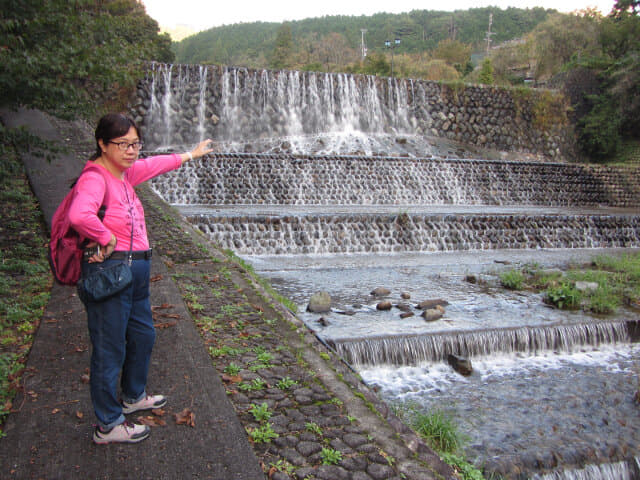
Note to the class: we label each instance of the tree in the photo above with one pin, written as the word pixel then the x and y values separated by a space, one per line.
pixel 561 37
pixel 486 72
pixel 376 64
pixel 74 53
pixel 281 57
pixel 631 7
pixel 453 52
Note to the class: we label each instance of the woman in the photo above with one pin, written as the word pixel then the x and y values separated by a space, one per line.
pixel 120 327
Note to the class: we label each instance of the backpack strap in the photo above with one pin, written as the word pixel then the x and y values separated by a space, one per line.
pixel 103 208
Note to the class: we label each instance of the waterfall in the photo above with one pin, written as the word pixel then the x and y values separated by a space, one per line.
pixel 167 116
pixel 611 471
pixel 291 106
pixel 409 350
pixel 202 99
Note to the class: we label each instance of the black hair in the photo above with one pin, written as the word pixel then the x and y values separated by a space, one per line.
pixel 112 125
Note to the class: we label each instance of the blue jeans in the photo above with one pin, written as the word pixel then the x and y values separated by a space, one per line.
pixel 122 334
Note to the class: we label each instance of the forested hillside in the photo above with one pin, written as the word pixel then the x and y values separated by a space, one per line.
pixel 336 40
pixel 72 55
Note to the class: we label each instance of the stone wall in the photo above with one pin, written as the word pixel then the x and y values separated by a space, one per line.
pixel 236 179
pixel 226 103
pixel 376 233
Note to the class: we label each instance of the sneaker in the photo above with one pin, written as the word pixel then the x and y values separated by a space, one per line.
pixel 147 403
pixel 126 432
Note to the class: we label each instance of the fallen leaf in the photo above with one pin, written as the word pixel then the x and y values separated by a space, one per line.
pixel 151 421
pixel 231 378
pixel 155 278
pixel 158 412
pixel 54 411
pixel 165 325
pixel 79 414
pixel 85 378
pixel 186 417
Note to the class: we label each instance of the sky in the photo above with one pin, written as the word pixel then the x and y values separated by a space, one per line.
pixel 203 14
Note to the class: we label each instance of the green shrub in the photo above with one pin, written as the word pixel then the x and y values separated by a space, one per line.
pixel 512 279
pixel 564 296
pixel 603 300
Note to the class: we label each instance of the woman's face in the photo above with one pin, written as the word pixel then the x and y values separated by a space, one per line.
pixel 123 151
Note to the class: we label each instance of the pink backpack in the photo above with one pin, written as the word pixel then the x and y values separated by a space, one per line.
pixel 66 245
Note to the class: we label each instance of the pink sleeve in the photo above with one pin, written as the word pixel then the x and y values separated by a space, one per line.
pixel 147 168
pixel 88 197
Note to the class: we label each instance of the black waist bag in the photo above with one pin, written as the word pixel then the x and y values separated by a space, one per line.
pixel 105 282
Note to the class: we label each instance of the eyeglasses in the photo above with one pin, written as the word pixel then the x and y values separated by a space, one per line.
pixel 124 146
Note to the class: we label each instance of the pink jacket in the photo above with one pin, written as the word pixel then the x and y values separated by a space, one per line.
pixel 122 203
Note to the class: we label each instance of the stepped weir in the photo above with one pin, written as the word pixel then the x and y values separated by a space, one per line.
pixel 336 170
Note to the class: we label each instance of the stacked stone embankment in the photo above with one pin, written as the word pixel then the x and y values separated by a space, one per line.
pixel 234 179
pixel 362 233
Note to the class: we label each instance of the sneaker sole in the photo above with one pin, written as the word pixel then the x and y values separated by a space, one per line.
pixel 127 410
pixel 98 440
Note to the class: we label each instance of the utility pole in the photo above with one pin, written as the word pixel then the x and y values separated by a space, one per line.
pixel 392 47
pixel 489 33
pixel 363 46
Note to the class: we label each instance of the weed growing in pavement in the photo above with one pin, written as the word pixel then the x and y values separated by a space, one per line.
pixel 313 427
pixel 232 369
pixel 286 383
pixel 207 323
pixel 262 434
pixel 330 456
pixel 263 360
pixel 224 351
pixel 261 412
pixel 256 384
pixel 283 466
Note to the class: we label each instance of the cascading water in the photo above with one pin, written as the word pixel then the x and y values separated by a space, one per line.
pixel 550 396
